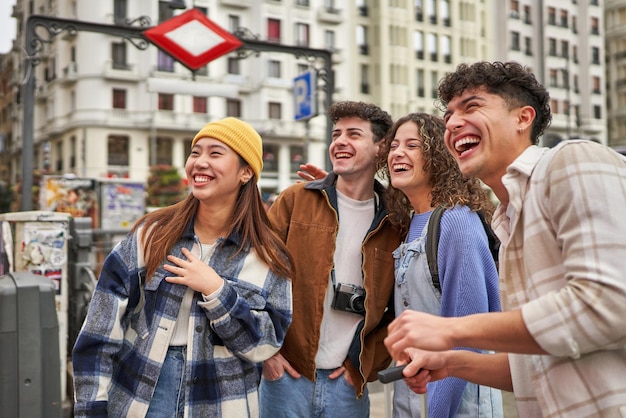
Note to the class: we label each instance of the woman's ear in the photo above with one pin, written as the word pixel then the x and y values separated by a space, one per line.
pixel 246 174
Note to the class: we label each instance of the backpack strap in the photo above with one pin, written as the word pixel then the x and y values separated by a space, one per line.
pixel 432 244
pixel 494 242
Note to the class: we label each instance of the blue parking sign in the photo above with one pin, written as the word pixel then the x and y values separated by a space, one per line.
pixel 305 105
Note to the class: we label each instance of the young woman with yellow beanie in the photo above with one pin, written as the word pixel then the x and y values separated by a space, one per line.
pixel 193 299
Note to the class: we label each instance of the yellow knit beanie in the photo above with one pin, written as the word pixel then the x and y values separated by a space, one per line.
pixel 238 135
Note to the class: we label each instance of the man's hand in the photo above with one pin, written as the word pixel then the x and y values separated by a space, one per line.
pixel 423 367
pixel 310 172
pixel 418 329
pixel 341 371
pixel 275 366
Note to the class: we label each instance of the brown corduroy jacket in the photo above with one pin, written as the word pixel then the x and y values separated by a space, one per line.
pixel 305 217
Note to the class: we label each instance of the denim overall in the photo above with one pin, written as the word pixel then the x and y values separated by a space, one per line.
pixel 414 290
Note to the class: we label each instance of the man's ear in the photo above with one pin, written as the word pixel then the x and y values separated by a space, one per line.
pixel 527 116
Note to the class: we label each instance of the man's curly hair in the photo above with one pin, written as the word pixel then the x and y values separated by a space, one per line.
pixel 510 80
pixel 381 121
pixel 449 186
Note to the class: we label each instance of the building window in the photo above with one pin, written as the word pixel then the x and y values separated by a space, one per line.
pixel 564 19
pixel 233 23
pixel 273 30
pixel 118 55
pixel 528 46
pixel 164 62
pixel 362 7
pixel 274 110
pixel 59 156
pixel 420 83
pixel 200 104
pixel 164 150
pixel 365 83
pixel 329 40
pixel 554 106
pixel 432 47
pixel 119 99
pixel 527 16
pixel 117 147
pixel 553 78
pixel 434 80
pixel 515 41
pixel 72 152
pixel 419 10
pixel 119 11
pixel 551 16
pixel 565 49
pixel 444 10
pixel 595 55
pixel 418 44
pixel 166 101
pixel 432 12
pixel 552 47
pixel 273 69
pixel 361 39
pixel 233 107
pixel 446 48
pixel 302 3
pixel 302 34
pixel 596 85
pixel 233 65
pixel 296 157
pixel 515 9
pixel 270 157
pixel 595 26
pixel 597 112
pixel 165 11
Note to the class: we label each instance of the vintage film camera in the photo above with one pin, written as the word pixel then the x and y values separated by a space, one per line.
pixel 349 298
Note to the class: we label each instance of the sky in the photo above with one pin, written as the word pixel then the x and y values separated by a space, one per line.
pixel 7 25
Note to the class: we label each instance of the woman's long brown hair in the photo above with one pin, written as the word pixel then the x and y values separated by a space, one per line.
pixel 449 186
pixel 164 227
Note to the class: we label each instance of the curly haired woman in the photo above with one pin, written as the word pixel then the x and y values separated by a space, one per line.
pixel 424 175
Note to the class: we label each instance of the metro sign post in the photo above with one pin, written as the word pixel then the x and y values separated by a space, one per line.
pixel 192 39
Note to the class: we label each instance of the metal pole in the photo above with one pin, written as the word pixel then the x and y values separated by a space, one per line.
pixel 28 97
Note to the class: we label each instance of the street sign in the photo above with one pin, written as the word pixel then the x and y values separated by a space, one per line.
pixel 305 103
pixel 192 39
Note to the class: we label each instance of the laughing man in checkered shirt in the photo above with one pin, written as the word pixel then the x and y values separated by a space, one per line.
pixel 561 339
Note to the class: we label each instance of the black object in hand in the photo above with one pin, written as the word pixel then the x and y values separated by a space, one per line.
pixel 391 374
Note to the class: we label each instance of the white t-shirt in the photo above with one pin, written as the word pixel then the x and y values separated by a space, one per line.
pixel 338 327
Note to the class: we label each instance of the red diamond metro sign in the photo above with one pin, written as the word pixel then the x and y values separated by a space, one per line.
pixel 192 39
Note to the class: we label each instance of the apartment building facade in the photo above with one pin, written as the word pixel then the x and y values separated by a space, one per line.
pixel 104 108
pixel 615 27
pixel 562 41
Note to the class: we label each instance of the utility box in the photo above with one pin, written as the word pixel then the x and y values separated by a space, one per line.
pixel 39 241
pixel 30 379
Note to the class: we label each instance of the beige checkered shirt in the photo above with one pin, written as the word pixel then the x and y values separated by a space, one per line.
pixel 562 262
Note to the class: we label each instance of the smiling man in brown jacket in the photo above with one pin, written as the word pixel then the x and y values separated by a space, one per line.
pixel 341 241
